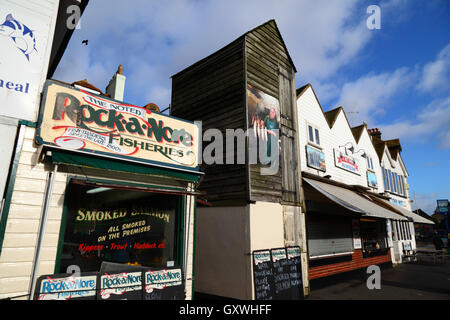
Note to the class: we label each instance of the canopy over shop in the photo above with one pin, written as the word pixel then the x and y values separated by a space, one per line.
pixel 346 228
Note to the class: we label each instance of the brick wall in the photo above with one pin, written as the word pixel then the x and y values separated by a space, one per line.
pixel 357 262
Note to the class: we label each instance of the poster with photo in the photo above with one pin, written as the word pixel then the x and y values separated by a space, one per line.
pixel 263 118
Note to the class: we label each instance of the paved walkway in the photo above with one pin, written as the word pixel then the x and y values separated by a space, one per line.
pixel 410 281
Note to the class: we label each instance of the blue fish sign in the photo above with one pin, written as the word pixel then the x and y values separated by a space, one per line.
pixel 22 36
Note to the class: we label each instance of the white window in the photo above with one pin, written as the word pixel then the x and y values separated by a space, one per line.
pixel 369 162
pixel 313 134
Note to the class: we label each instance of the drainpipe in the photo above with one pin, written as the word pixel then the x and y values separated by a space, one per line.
pixel 42 227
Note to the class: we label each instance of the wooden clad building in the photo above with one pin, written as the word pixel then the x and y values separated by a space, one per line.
pixel 249 85
pixel 216 91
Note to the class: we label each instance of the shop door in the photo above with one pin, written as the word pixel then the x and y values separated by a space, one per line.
pixel 120 226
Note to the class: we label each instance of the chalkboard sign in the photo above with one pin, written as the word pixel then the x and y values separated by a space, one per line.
pixel 164 284
pixel 263 275
pixel 66 287
pixel 294 262
pixel 282 283
pixel 277 274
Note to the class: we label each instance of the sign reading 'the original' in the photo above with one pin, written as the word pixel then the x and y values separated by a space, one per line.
pixel 77 120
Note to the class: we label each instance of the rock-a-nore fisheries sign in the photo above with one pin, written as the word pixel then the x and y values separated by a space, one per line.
pixel 77 120
pixel 57 287
pixel 126 283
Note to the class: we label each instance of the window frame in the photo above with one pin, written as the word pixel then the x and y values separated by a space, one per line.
pixel 315 137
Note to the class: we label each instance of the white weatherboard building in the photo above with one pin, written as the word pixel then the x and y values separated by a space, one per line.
pixel 349 216
pixel 394 180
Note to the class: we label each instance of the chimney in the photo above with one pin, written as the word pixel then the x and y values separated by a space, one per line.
pixel 116 86
pixel 375 133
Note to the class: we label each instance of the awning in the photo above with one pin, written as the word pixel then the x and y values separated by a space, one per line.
pixel 353 201
pixel 89 161
pixel 415 217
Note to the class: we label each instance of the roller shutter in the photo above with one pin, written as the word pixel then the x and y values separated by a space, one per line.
pixel 329 235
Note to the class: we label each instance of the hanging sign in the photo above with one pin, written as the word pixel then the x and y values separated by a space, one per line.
pixel 346 162
pixel 74 119
pixel 26 37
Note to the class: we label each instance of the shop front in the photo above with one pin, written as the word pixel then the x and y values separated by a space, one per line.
pixel 116 204
pixel 346 230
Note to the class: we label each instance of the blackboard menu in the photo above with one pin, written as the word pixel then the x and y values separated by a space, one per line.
pixel 282 283
pixel 294 263
pixel 278 274
pixel 263 275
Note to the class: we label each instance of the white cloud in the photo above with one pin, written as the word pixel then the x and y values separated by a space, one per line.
pixel 322 36
pixel 436 74
pixel 424 201
pixel 370 94
pixel 432 125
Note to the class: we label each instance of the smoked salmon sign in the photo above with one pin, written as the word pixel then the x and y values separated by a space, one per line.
pixel 74 119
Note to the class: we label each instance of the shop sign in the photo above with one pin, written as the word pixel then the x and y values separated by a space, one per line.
pixel 315 159
pixel 372 179
pixel 398 203
pixel 161 279
pixel 77 120
pixel 120 285
pixel 346 162
pixel 356 234
pixel 66 288
pixel 26 36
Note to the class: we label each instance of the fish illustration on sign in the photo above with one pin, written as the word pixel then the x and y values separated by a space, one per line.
pixel 22 36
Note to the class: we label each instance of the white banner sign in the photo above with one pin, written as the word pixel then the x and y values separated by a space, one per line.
pixel 26 36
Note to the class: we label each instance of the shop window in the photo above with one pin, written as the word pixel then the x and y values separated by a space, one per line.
pixel 121 226
pixel 373 236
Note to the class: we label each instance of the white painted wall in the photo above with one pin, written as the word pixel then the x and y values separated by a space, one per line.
pixel 223 260
pixel 309 111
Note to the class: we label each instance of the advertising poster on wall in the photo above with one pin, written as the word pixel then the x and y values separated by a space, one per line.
pixel 356 234
pixel 315 159
pixel 76 120
pixel 26 35
pixel 372 180
pixel 263 119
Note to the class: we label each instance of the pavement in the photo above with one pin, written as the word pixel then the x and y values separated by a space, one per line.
pixel 407 281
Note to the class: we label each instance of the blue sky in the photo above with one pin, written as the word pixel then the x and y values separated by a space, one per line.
pixel 396 78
